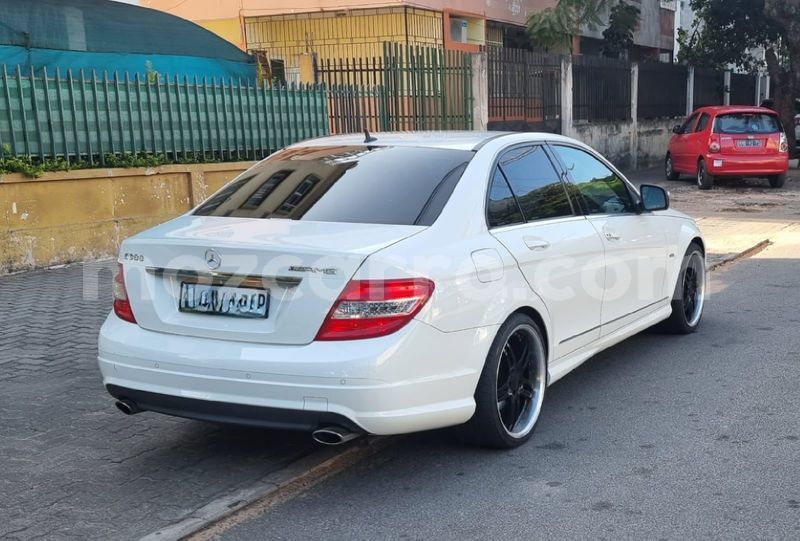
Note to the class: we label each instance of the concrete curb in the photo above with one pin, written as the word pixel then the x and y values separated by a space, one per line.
pixel 753 250
pixel 223 513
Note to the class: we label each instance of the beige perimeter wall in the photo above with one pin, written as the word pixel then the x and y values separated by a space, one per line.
pixel 78 215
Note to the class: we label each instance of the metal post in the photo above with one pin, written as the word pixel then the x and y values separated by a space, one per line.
pixel 726 88
pixel 61 115
pixel 634 139
pixel 49 106
pixel 566 96
pixel 690 91
pixel 10 110
pixel 758 88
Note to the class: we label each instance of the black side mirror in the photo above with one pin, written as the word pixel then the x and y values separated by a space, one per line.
pixel 677 129
pixel 654 197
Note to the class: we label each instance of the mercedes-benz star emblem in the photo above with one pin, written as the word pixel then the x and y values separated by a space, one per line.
pixel 213 260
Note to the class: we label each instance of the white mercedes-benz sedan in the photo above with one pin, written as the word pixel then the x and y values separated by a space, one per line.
pixel 392 283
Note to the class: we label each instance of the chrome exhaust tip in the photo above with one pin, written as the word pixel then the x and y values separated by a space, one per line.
pixel 333 435
pixel 128 407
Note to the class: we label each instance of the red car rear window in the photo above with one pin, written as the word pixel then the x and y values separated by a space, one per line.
pixel 747 123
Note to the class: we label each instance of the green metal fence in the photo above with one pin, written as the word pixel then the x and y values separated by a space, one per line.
pixel 88 116
pixel 407 88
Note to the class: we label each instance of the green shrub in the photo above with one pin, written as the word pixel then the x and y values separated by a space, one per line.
pixel 34 167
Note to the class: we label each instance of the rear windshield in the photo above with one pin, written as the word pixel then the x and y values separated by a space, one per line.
pixel 734 123
pixel 357 184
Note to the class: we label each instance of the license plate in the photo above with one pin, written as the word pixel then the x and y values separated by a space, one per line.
pixel 748 143
pixel 224 300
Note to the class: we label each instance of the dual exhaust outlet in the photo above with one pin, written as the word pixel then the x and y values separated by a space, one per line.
pixel 330 435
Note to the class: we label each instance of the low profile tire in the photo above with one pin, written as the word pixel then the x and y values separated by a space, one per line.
pixel 705 181
pixel 669 169
pixel 688 299
pixel 510 392
pixel 777 181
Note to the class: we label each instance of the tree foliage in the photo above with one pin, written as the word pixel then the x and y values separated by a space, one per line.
pixel 552 28
pixel 618 37
pixel 726 31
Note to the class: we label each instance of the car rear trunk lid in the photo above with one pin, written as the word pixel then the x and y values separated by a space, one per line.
pixel 303 265
pixel 748 133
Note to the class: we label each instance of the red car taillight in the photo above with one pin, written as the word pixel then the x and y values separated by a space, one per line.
pixel 372 308
pixel 122 306
pixel 784 143
pixel 713 145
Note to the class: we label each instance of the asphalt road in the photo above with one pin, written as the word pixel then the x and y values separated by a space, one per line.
pixel 661 437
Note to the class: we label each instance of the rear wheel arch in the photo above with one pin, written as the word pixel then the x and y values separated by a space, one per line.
pixel 707 180
pixel 505 415
pixel 539 320
pixel 669 167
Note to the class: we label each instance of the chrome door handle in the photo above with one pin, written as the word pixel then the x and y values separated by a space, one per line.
pixel 536 244
pixel 612 236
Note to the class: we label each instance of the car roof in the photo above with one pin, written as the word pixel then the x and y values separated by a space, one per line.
pixel 724 109
pixel 453 140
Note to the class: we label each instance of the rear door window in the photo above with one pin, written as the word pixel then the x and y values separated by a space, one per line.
pixel 358 184
pixel 747 123
pixel 503 206
pixel 535 183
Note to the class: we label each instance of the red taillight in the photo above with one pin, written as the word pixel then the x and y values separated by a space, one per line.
pixel 784 143
pixel 372 308
pixel 713 145
pixel 122 307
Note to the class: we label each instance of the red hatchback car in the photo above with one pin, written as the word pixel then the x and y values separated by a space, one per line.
pixel 729 141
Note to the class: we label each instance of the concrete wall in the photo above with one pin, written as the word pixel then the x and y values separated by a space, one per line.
pixel 652 141
pixel 79 215
pixel 611 139
pixel 628 145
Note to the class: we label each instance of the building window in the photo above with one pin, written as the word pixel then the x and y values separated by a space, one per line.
pixel 277 70
pixel 458 30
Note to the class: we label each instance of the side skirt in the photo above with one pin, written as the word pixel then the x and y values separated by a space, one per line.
pixel 565 365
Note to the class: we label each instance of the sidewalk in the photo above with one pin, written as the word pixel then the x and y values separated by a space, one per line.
pixel 74 467
pixel 726 239
pixel 736 215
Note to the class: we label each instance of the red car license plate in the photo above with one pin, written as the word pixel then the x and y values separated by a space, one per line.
pixel 749 143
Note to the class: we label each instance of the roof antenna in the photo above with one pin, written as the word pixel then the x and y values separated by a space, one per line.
pixel 368 138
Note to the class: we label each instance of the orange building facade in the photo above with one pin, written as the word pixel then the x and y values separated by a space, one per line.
pixel 287 34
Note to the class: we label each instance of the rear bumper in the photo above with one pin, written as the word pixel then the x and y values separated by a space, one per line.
pixel 746 165
pixel 222 412
pixel 416 379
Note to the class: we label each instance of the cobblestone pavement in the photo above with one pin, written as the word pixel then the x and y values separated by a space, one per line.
pixel 73 467
pixel 739 200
